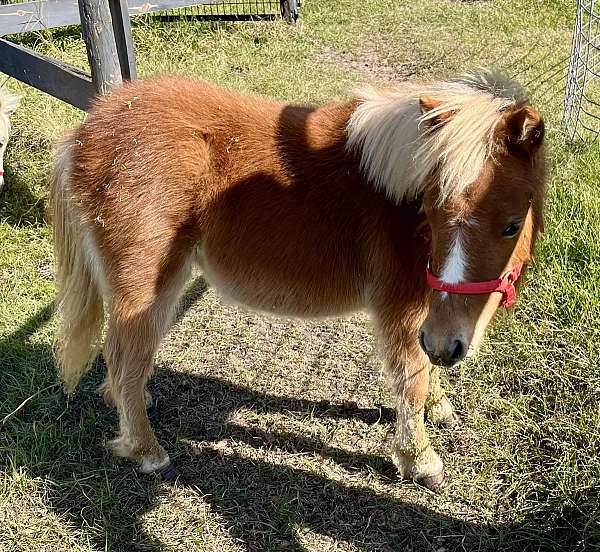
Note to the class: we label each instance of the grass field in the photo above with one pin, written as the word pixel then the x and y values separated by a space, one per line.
pixel 280 427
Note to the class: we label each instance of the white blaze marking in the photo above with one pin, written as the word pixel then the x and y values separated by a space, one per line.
pixel 453 271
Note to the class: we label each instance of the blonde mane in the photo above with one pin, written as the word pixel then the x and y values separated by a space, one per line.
pixel 398 148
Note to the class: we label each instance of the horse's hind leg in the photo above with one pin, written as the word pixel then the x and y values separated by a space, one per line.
pixel 137 323
pixel 438 407
pixel 105 390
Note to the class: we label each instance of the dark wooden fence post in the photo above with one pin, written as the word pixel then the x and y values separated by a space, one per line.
pixel 97 28
pixel 122 29
pixel 290 10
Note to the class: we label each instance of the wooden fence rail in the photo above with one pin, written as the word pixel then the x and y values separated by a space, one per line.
pixel 49 75
pixel 48 14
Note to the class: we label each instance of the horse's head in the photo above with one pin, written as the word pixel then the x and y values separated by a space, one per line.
pixel 8 104
pixel 472 149
pixel 481 229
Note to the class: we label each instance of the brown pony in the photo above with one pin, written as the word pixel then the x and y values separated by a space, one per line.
pixel 297 211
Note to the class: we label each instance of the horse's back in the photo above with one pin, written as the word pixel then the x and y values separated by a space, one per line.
pixel 172 128
pixel 264 190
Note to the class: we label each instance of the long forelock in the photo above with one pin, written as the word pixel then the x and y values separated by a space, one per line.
pixel 400 148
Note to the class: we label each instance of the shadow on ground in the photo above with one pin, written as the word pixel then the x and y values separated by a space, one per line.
pixel 19 206
pixel 260 504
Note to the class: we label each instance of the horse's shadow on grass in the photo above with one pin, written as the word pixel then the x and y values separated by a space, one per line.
pixel 264 505
pixel 19 206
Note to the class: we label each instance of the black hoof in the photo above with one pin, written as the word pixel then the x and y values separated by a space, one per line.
pixel 169 473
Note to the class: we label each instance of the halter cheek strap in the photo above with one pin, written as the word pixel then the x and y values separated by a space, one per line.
pixel 1 173
pixel 504 285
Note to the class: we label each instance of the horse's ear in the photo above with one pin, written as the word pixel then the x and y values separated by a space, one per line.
pixel 524 129
pixel 9 102
pixel 430 108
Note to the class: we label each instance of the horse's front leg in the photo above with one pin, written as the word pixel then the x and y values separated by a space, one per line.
pixel 408 370
pixel 438 408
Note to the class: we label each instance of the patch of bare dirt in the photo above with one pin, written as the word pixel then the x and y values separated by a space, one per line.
pixel 367 64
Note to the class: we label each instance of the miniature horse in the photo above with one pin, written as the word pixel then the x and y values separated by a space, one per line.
pixel 8 105
pixel 296 211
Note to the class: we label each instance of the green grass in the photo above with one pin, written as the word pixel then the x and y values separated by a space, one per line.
pixel 277 425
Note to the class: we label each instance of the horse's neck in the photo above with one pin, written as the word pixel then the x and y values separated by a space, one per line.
pixel 313 141
pixel 316 151
pixel 325 127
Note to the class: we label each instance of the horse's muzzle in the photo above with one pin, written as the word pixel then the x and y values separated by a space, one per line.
pixel 447 354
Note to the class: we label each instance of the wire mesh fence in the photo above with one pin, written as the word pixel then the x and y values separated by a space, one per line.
pixel 232 10
pixel 582 94
pixel 222 9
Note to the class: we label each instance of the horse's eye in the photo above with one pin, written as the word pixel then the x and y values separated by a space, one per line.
pixel 512 230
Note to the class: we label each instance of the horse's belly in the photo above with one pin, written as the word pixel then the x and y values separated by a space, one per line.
pixel 282 294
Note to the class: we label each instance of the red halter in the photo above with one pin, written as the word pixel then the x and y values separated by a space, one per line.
pixel 504 285
pixel 1 173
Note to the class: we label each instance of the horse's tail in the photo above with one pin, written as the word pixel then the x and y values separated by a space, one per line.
pixel 79 300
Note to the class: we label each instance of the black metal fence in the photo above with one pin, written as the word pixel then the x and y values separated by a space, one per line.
pixel 232 10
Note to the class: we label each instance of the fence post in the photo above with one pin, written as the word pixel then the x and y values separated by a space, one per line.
pixel 122 28
pixel 97 29
pixel 290 10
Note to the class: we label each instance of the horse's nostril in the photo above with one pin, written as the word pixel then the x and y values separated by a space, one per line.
pixel 422 341
pixel 457 351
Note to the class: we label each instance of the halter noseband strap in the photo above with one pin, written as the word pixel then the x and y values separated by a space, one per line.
pixel 504 285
